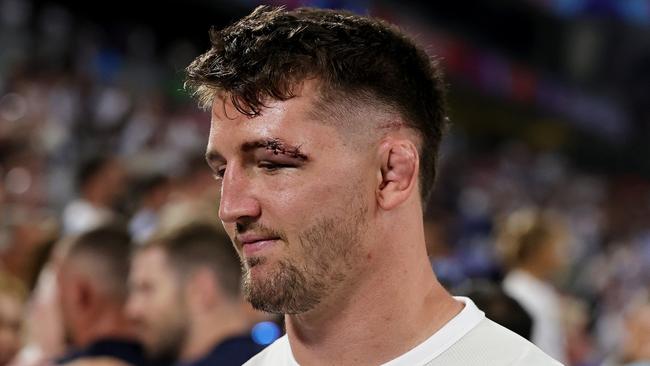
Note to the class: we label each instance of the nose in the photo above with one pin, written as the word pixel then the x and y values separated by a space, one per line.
pixel 238 200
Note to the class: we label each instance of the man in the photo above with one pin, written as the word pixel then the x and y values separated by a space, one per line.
pixel 185 299
pixel 93 289
pixel 324 136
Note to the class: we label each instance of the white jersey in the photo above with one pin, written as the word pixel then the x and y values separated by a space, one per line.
pixel 468 339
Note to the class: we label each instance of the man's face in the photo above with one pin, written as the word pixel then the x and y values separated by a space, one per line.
pixel 295 200
pixel 156 304
pixel 11 310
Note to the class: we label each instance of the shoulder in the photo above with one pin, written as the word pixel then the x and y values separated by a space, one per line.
pixel 277 354
pixel 491 344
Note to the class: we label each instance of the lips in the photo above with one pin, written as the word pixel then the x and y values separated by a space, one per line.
pixel 254 244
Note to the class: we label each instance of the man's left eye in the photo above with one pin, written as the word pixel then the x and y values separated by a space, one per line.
pixel 271 166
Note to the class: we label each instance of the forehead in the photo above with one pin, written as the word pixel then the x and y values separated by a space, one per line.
pixel 150 261
pixel 292 121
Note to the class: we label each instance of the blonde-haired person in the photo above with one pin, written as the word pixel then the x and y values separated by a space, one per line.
pixel 532 243
pixel 636 323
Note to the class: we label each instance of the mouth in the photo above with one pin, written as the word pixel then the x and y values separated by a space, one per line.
pixel 252 245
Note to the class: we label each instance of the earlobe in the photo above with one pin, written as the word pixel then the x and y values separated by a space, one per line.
pixel 399 166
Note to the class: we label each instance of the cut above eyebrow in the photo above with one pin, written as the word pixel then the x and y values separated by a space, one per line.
pixel 277 146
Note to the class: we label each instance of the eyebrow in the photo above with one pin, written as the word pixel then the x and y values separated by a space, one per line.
pixel 213 156
pixel 275 145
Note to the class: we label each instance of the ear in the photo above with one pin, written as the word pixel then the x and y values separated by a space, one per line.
pixel 399 164
pixel 202 289
pixel 84 294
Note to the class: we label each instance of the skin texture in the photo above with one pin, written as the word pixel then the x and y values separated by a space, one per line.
pixel 334 239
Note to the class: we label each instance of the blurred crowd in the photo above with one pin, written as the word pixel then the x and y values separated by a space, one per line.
pixel 567 243
pixel 101 156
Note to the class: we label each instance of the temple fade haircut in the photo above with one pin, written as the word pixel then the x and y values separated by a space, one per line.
pixel 106 250
pixel 356 60
pixel 202 245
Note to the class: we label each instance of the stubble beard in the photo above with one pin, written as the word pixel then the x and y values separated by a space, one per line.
pixel 171 338
pixel 328 251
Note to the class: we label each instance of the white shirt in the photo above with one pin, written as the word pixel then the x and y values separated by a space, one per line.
pixel 542 303
pixel 80 216
pixel 468 339
pixel 143 225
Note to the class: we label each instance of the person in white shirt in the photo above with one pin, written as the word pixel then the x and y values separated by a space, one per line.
pixel 324 137
pixel 532 244
pixel 101 182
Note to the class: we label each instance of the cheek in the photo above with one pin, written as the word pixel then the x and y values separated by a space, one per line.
pixel 302 198
pixel 167 302
pixel 66 304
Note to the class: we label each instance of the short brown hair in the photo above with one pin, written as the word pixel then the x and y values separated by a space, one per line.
pixel 199 244
pixel 266 54
pixel 110 246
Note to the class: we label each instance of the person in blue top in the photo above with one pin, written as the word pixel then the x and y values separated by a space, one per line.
pixel 185 298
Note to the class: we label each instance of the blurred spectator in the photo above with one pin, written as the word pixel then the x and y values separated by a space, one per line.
pixel 636 344
pixel 446 266
pixel 532 244
pixel 29 234
pixel 44 332
pixel 12 302
pixel 93 292
pixel 101 181
pixel 154 193
pixel 185 298
pixel 194 197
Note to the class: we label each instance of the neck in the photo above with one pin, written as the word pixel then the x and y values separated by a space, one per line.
pixel 110 324
pixel 208 330
pixel 396 298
